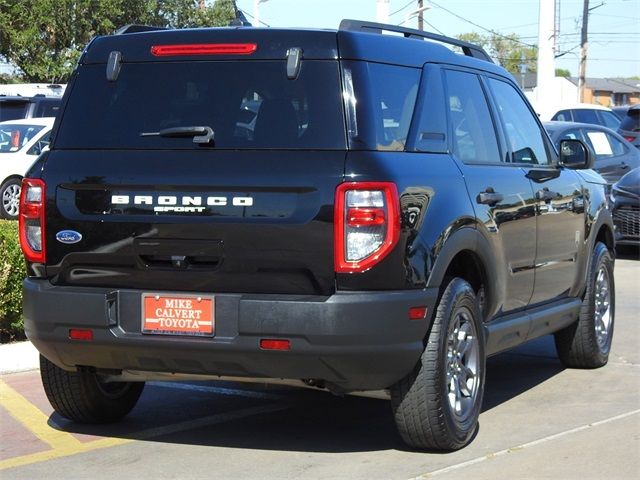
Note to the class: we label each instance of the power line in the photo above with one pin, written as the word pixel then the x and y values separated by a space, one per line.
pixel 481 27
pixel 401 9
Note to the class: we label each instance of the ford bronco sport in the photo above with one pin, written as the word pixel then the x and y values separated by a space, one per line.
pixel 346 210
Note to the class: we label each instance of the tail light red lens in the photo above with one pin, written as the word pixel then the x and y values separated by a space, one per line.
pixel 32 221
pixel 366 224
pixel 204 49
pixel 629 138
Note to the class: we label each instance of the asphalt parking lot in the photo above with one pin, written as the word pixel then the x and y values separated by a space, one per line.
pixel 538 421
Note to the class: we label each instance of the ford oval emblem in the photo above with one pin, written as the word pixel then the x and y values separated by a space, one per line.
pixel 68 236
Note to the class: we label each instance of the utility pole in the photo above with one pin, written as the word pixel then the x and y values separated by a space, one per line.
pixel 420 17
pixel 584 45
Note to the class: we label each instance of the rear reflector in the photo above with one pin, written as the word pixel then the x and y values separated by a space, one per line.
pixel 81 334
pixel 204 49
pixel 273 344
pixel 417 313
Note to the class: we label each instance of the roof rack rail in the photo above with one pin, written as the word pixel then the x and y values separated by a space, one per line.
pixel 134 28
pixel 469 49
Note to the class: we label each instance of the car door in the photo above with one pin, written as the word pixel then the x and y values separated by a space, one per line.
pixel 558 195
pixel 499 191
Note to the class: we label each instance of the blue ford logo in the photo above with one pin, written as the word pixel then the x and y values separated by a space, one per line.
pixel 68 236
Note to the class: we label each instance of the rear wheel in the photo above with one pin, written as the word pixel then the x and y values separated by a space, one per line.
pixel 587 342
pixel 84 398
pixel 437 405
pixel 10 198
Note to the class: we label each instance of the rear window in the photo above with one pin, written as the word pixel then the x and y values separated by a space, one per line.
pixel 12 110
pixel 15 136
pixel 248 104
pixel 631 122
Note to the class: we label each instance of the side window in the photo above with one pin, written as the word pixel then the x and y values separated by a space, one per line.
pixel 474 136
pixel 600 143
pixel 523 132
pixel 562 116
pixel 617 146
pixel 609 120
pixel 585 115
pixel 394 93
pixel 40 144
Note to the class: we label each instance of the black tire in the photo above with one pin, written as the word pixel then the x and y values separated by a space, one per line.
pixel 584 344
pixel 81 396
pixel 421 404
pixel 10 198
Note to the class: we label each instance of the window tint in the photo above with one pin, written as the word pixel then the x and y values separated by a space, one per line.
pixel 248 104
pixel 523 132
pixel 474 138
pixel 562 116
pixel 394 90
pixel 12 110
pixel 609 120
pixel 584 115
pixel 48 108
pixel 617 146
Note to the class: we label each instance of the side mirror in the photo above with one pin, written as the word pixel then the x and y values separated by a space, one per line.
pixel 576 155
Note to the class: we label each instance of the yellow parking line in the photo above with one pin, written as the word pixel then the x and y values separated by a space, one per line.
pixel 33 419
pixel 65 445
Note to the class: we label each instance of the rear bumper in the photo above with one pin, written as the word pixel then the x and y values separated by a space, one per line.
pixel 351 341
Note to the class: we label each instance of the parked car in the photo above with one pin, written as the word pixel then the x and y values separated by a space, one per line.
pixel 21 141
pixel 395 214
pixel 614 155
pixel 17 107
pixel 630 126
pixel 587 113
pixel 625 205
pixel 620 110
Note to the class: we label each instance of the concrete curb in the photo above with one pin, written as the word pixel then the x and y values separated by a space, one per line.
pixel 18 357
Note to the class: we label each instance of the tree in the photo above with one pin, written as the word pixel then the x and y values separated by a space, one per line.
pixel 562 72
pixel 44 38
pixel 507 50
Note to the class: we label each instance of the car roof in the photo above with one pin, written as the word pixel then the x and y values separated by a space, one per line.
pixel 44 121
pixel 583 106
pixel 553 126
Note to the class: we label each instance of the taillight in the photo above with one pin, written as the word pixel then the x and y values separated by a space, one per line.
pixel 629 138
pixel 204 49
pixel 31 220
pixel 366 224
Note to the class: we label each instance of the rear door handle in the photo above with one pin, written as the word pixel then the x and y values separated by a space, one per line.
pixel 489 197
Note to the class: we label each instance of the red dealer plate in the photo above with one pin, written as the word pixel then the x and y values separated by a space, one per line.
pixel 178 315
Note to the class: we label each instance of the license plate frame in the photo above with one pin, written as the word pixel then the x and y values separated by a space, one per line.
pixel 169 314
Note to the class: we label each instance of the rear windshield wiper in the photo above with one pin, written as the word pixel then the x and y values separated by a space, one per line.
pixel 200 134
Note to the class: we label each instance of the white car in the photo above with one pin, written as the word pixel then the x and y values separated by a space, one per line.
pixel 21 141
pixel 586 113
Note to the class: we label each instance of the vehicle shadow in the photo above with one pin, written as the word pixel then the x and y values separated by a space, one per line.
pixel 284 419
pixel 628 252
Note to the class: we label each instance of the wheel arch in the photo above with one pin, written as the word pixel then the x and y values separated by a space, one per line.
pixel 468 255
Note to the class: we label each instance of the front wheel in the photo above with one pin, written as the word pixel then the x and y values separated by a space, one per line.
pixel 84 398
pixel 10 199
pixel 587 342
pixel 437 405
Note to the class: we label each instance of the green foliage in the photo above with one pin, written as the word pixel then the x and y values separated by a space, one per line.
pixel 507 50
pixel 45 38
pixel 562 72
pixel 12 272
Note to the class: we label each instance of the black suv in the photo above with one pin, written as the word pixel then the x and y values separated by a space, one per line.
pixel 16 107
pixel 344 210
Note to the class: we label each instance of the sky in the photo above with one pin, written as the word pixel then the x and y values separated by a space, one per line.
pixel 614 27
